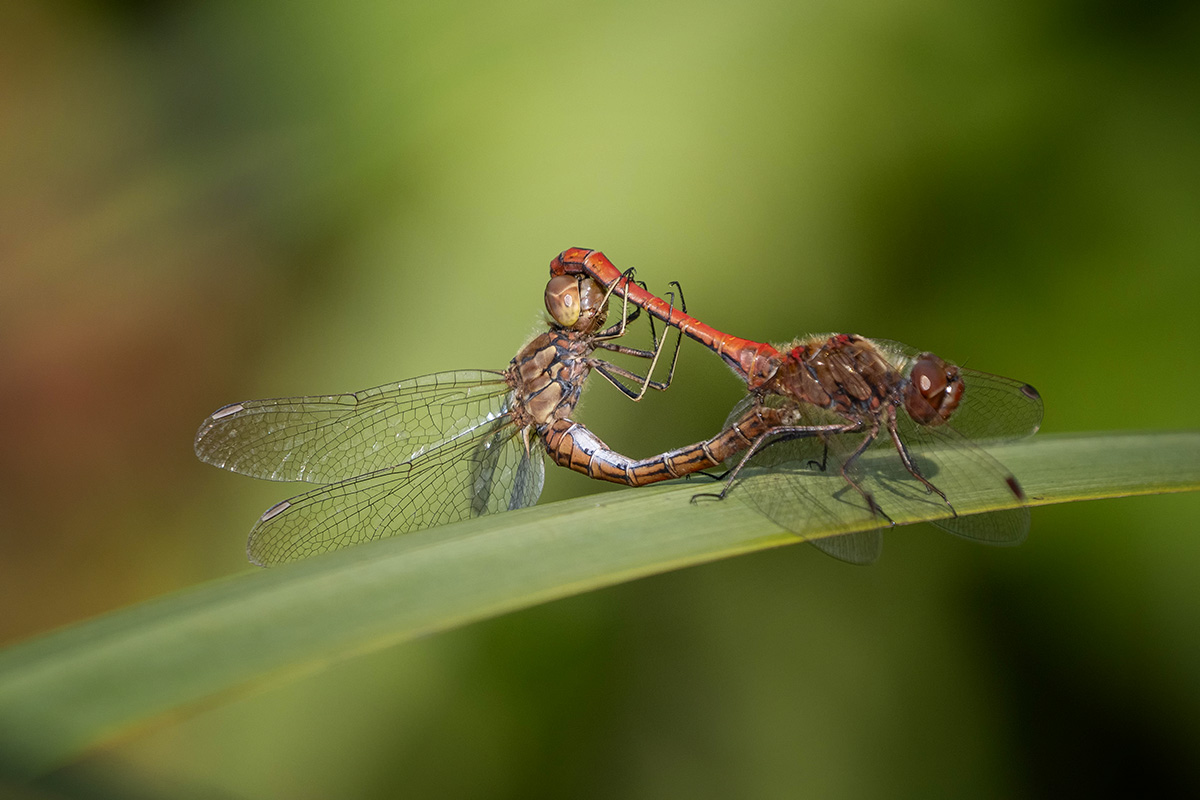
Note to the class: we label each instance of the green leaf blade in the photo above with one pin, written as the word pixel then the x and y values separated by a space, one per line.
pixel 68 690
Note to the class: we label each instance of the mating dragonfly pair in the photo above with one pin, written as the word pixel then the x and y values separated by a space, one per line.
pixel 454 445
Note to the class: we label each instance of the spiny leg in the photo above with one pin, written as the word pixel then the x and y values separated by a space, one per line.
pixel 678 332
pixel 610 371
pixel 909 463
pixel 858 451
pixel 657 385
pixel 619 330
pixel 627 316
pixel 780 433
pixel 730 476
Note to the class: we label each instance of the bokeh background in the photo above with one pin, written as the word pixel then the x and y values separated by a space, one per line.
pixel 202 202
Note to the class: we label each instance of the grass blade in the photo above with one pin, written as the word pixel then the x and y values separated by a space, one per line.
pixel 67 690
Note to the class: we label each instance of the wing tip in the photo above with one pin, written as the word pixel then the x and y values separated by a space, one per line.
pixel 226 411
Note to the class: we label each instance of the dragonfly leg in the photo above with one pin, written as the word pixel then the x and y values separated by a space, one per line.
pixel 611 373
pixel 627 316
pixel 877 509
pixel 858 451
pixel 610 370
pixel 678 337
pixel 759 442
pixel 730 476
pixel 636 353
pixel 655 346
pixel 772 436
pixel 909 463
pixel 618 330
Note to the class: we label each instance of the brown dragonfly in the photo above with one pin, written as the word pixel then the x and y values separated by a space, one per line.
pixel 447 446
pixel 840 394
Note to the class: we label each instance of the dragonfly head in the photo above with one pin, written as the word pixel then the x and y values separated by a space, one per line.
pixel 576 302
pixel 934 390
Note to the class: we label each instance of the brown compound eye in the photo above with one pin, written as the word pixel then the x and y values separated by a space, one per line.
pixel 593 305
pixel 576 302
pixel 562 300
pixel 934 390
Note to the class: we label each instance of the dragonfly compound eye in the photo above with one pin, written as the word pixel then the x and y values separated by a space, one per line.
pixel 562 300
pixel 934 390
pixel 593 305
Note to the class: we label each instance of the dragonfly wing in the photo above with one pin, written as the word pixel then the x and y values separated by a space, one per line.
pixel 783 450
pixel 971 479
pixel 1007 527
pixel 861 547
pixel 993 407
pixel 527 488
pixel 807 502
pixel 329 438
pixel 436 488
pixel 778 488
pixel 740 408
pixel 507 472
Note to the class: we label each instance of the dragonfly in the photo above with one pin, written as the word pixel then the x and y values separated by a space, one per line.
pixel 447 446
pixel 839 395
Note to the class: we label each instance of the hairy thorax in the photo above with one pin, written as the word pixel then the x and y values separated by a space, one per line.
pixel 843 373
pixel 547 376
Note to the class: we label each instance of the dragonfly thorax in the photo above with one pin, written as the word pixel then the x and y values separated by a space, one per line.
pixel 843 373
pixel 549 374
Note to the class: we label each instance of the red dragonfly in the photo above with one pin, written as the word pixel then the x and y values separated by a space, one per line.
pixel 842 393
pixel 442 447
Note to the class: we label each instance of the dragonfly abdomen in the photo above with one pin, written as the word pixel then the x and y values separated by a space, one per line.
pixel 572 445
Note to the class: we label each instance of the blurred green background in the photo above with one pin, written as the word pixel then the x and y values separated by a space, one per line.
pixel 208 202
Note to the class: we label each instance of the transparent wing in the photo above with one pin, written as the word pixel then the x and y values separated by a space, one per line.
pixel 483 470
pixel 993 408
pixel 506 471
pixel 330 438
pixel 796 484
pixel 785 495
pixel 972 480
